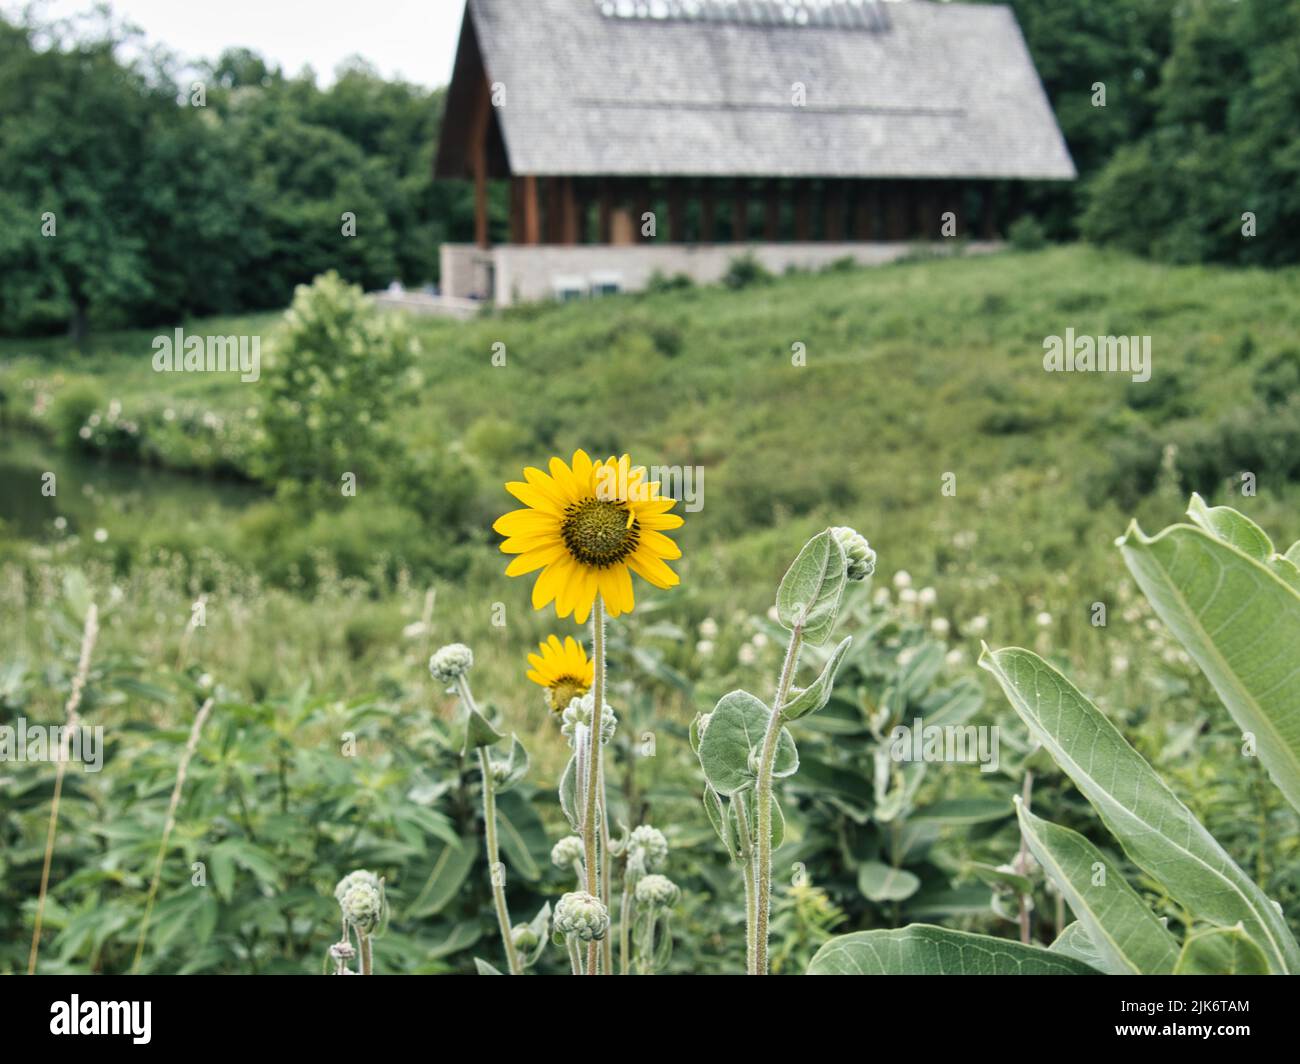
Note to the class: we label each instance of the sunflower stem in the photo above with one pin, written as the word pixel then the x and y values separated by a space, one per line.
pixel 607 943
pixel 763 796
pixel 590 832
pixel 495 869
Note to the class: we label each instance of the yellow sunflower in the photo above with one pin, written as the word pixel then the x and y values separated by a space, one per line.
pixel 563 669
pixel 588 526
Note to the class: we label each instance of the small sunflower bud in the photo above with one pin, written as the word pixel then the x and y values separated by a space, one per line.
pixel 351 880
pixel 451 662
pixel 363 907
pixel 651 842
pixel 581 914
pixel 568 850
pixel 657 890
pixel 857 552
pixel 579 711
pixel 524 938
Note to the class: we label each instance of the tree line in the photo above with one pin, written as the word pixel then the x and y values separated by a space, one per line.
pixel 138 190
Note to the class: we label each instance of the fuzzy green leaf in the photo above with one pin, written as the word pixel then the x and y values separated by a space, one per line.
pixel 1155 829
pixel 925 950
pixel 881 882
pixel 818 693
pixel 1124 931
pixel 733 740
pixel 1238 619
pixel 1221 951
pixel 812 589
pixel 478 732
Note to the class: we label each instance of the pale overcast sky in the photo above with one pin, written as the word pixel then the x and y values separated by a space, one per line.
pixel 415 39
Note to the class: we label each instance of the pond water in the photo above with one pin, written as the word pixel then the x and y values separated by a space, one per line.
pixel 89 491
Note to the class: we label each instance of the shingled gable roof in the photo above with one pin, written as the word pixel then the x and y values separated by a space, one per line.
pixel 912 90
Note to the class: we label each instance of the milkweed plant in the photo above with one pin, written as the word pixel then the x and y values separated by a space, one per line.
pixel 586 527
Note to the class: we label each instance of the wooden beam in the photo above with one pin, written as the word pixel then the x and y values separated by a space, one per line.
pixel 988 211
pixel 532 221
pixel 897 199
pixel 834 228
pixel 676 211
pixel 772 212
pixel 740 211
pixel 605 207
pixel 866 209
pixel 708 212
pixel 568 211
pixel 802 210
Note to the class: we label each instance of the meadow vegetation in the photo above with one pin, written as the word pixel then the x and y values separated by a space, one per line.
pixel 321 609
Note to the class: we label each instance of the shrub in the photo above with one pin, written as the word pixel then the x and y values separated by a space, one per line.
pixel 71 409
pixel 745 271
pixel 1027 234
pixel 335 373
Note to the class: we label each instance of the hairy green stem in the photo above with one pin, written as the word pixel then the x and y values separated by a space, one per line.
pixel 763 797
pixel 574 959
pixel 607 943
pixel 748 871
pixel 624 930
pixel 367 959
pixel 490 837
pixel 590 834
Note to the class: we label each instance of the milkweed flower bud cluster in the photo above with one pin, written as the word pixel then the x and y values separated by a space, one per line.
pixel 581 915
pixel 657 890
pixel 647 850
pixel 579 711
pixel 361 897
pixel 451 662
pixel 565 852
pixel 857 552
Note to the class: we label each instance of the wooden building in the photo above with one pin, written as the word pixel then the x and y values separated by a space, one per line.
pixel 655 135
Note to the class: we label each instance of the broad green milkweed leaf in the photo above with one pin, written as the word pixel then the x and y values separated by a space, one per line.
pixel 450 870
pixel 569 792
pixel 516 765
pixel 1074 942
pixel 923 949
pixel 1237 618
pixel 733 740
pixel 818 693
pixel 881 882
pixel 1125 933
pixel 522 835
pixel 1235 529
pixel 1221 951
pixel 1155 829
pixel 478 732
pixel 812 589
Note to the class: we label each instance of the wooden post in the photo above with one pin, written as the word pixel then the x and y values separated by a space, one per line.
pixel 568 211
pixel 988 212
pixel 532 222
pixel 640 208
pixel 802 210
pixel 834 227
pixel 866 210
pixel 740 211
pixel 480 194
pixel 772 212
pixel 896 210
pixel 604 211
pixel 676 212
pixel 708 211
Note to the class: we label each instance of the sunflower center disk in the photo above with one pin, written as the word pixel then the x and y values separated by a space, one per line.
pixel 563 691
pixel 597 532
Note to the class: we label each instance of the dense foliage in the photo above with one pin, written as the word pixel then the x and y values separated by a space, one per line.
pixel 179 190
